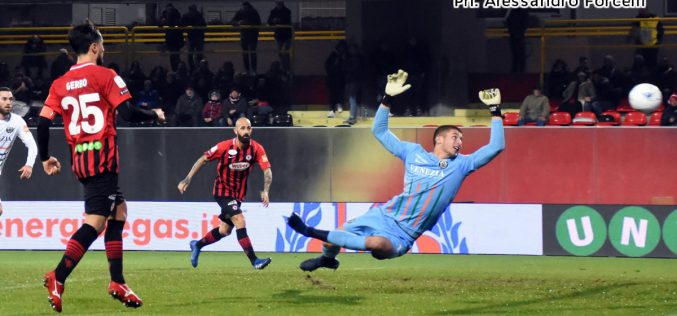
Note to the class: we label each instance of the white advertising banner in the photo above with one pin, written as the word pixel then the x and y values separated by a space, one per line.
pixel 463 228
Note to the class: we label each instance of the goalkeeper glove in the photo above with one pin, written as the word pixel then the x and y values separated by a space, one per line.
pixel 395 86
pixel 492 98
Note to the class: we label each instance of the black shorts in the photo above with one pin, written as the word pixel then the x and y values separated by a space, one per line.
pixel 102 194
pixel 229 208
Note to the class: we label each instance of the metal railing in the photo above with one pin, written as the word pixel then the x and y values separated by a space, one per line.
pixel 590 28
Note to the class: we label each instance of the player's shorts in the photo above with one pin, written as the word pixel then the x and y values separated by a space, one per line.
pixel 374 223
pixel 102 194
pixel 229 208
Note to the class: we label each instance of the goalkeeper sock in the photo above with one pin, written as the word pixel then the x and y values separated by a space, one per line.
pixel 75 249
pixel 211 237
pixel 113 243
pixel 347 240
pixel 330 252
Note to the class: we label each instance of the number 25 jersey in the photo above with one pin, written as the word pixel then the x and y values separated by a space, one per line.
pixel 86 97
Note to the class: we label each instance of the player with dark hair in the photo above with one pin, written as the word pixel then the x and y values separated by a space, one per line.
pixel 431 182
pixel 236 158
pixel 87 97
pixel 11 127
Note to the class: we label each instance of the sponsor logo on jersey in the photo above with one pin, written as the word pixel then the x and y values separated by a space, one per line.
pixel 76 84
pixel 239 166
pixel 425 172
pixel 232 152
pixel 124 91
pixel 119 82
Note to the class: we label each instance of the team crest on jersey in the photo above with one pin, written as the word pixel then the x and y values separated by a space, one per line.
pixel 443 164
pixel 239 166
pixel 248 157
pixel 9 129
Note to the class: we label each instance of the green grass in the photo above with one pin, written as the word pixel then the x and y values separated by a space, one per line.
pixel 225 284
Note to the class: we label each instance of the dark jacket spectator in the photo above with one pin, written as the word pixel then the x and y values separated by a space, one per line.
pixel 669 117
pixel 334 66
pixel 135 77
pixel 34 57
pixel 196 35
pixel 171 20
pixel 281 17
pixel 188 108
pixel 170 93
pixel 236 106
pixel 247 16
pixel 148 98
pixel 61 64
pixel 225 77
pixel 22 86
pixel 517 23
pixel 558 79
pixel 202 79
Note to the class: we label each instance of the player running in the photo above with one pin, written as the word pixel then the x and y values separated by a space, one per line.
pixel 236 158
pixel 431 182
pixel 11 126
pixel 87 97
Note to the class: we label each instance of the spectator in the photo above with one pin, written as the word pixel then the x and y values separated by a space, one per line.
pixel 279 87
pixel 558 79
pixel 235 105
pixel 583 65
pixel 517 23
pixel 170 93
pixel 353 67
pixel 384 63
pixel 148 98
pixel 135 78
pixel 34 55
pixel 535 108
pixel 334 66
pixel 649 34
pixel 61 64
pixel 613 75
pixel 665 77
pixel 606 97
pixel 669 117
pixel 638 73
pixel 224 78
pixel 261 104
pixel 22 85
pixel 280 16
pixel 196 35
pixel 212 113
pixel 578 95
pixel 183 77
pixel 202 79
pixel 187 108
pixel 249 18
pixel 416 62
pixel 171 20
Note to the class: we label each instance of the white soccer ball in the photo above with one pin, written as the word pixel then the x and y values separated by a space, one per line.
pixel 645 97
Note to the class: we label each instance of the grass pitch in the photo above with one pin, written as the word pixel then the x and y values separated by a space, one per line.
pixel 225 284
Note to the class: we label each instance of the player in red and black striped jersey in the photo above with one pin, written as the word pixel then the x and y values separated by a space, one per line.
pixel 87 97
pixel 236 157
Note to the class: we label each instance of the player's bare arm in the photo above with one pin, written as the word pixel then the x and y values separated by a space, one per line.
pixel 183 184
pixel 267 180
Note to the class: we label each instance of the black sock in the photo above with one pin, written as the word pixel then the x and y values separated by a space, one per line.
pixel 113 242
pixel 317 233
pixel 75 249
pixel 211 237
pixel 245 243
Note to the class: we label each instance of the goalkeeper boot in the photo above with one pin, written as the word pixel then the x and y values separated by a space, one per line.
pixel 124 294
pixel 194 253
pixel 55 289
pixel 319 262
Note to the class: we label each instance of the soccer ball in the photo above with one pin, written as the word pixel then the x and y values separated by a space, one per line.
pixel 645 97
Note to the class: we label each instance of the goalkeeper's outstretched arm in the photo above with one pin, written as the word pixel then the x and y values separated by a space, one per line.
pixel 394 87
pixel 492 98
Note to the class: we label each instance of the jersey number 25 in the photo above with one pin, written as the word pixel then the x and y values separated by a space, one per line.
pixel 81 113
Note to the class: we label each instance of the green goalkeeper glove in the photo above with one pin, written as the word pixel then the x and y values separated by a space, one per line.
pixel 395 86
pixel 492 98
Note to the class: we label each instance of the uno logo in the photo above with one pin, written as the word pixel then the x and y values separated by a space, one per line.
pixel 239 166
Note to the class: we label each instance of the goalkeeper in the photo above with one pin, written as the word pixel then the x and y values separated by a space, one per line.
pixel 431 182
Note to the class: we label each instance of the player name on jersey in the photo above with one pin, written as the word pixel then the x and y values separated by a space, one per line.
pixel 77 84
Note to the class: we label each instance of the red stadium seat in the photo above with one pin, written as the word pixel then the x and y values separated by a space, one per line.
pixel 661 108
pixel 560 118
pixel 615 115
pixel 511 118
pixel 585 119
pixel 624 106
pixel 655 118
pixel 635 119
